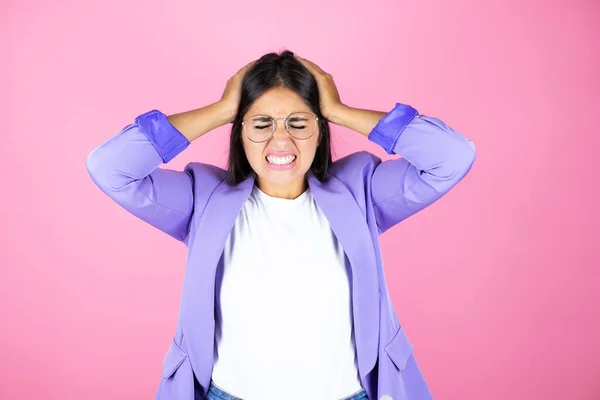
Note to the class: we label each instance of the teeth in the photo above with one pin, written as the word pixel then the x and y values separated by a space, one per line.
pixel 281 160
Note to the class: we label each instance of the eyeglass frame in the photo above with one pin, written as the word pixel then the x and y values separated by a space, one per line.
pixel 274 125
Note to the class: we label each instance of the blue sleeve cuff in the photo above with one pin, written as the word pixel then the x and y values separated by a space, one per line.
pixel 390 127
pixel 165 138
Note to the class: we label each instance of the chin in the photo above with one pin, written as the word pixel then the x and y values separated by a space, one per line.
pixel 280 179
pixel 283 177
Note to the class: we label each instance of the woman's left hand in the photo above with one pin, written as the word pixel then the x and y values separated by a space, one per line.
pixel 329 98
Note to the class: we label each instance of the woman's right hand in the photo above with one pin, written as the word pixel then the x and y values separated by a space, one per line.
pixel 233 90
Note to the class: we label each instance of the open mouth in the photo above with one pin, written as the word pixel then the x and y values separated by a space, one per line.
pixel 287 160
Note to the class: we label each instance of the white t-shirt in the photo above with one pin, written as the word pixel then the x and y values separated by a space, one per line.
pixel 283 306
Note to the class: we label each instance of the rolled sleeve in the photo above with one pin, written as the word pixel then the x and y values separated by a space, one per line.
pixel 390 127
pixel 165 138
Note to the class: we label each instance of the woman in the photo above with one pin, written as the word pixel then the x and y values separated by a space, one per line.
pixel 284 295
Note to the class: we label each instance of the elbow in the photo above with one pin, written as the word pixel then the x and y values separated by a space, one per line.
pixel 448 173
pixel 93 166
pixel 101 172
pixel 469 156
pixel 97 171
pixel 463 161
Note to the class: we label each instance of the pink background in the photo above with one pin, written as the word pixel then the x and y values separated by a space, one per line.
pixel 496 284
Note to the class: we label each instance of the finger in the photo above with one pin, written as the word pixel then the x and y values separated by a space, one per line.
pixel 314 66
pixel 309 65
pixel 249 65
pixel 242 71
pixel 303 62
pixel 245 68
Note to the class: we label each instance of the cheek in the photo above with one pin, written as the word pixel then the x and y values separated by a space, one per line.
pixel 309 148
pixel 253 153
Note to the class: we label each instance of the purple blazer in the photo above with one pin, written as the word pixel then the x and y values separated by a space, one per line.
pixel 362 197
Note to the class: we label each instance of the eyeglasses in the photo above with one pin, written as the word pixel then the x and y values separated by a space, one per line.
pixel 300 125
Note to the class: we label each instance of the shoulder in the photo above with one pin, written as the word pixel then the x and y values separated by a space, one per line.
pixel 355 171
pixel 205 177
pixel 355 166
pixel 206 172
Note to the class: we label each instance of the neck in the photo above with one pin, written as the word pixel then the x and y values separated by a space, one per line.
pixel 290 191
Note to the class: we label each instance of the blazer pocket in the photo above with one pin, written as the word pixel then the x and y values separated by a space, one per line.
pixel 173 359
pixel 399 349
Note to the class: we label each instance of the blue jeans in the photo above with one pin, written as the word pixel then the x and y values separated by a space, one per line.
pixel 216 393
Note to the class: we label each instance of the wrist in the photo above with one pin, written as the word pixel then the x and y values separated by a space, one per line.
pixel 339 115
pixel 226 111
pixel 356 119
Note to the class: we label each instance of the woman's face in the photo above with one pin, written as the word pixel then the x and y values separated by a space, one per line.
pixel 285 181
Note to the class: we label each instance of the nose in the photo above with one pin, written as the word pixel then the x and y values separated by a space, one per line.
pixel 281 130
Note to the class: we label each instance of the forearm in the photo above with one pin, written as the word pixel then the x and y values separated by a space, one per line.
pixel 195 123
pixel 359 120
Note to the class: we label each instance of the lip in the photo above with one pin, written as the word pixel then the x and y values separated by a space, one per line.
pixel 280 167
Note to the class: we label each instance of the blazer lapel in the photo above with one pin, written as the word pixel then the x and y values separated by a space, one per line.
pixel 350 228
pixel 199 286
